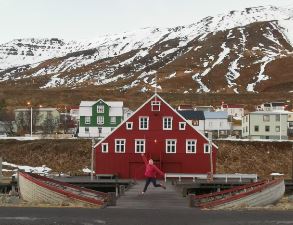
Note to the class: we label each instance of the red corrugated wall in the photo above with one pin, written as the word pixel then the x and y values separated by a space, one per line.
pixel 130 164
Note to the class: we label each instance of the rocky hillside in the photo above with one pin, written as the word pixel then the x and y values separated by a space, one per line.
pixel 72 156
pixel 242 51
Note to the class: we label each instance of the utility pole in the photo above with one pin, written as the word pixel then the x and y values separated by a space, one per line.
pixel 280 127
pixel 29 104
pixel 211 157
pixel 1 167
pixel 292 163
pixel 92 159
pixel 31 121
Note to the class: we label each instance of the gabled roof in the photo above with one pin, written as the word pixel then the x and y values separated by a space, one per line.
pixel 192 115
pixel 151 98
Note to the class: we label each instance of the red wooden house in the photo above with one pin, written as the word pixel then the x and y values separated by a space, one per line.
pixel 157 130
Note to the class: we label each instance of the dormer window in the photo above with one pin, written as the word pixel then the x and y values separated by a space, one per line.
pixel 156 106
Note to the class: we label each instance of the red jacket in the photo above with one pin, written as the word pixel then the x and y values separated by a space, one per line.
pixel 151 171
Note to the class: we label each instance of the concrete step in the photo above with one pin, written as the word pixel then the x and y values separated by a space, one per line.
pixel 154 198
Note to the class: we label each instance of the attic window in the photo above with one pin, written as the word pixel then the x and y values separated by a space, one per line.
pixel 182 125
pixel 156 105
pixel 129 125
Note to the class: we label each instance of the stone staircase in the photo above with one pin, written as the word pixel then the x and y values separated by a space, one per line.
pixel 154 198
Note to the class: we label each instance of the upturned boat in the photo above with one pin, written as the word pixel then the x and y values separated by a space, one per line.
pixel 250 195
pixel 39 189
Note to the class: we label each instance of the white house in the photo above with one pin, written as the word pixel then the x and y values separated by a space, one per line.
pixel 272 106
pixel 99 118
pixel 217 123
pixel 265 125
pixel 235 110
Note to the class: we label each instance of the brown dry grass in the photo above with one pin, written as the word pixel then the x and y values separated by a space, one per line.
pixel 59 155
pixel 262 158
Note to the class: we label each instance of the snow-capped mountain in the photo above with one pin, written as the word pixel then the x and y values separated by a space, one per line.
pixel 249 50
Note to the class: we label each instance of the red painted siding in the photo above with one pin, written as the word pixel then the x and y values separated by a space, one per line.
pixel 130 165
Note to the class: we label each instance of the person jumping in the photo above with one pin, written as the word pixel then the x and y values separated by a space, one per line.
pixel 151 172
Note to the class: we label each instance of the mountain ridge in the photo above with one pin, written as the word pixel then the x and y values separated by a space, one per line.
pixel 183 58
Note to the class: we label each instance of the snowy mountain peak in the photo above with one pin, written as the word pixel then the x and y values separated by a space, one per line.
pixel 239 42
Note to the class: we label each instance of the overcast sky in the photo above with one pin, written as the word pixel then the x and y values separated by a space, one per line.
pixel 78 19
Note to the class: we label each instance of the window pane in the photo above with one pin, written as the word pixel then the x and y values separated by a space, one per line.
pixel 167 123
pixel 277 117
pixel 143 123
pixel 267 128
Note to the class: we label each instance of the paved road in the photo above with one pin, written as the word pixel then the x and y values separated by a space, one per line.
pixel 112 216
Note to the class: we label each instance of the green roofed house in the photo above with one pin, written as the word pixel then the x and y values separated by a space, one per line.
pixel 99 118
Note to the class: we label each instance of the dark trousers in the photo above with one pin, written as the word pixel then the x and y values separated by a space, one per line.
pixel 150 180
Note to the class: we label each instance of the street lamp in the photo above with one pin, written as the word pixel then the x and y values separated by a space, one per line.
pixel 29 104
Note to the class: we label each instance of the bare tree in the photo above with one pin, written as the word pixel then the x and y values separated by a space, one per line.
pixel 50 124
pixel 22 122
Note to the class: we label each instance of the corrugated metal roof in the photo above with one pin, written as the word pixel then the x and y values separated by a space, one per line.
pixel 192 115
pixel 87 103
pixel 109 103
pixel 216 115
pixel 115 104
pixel 116 111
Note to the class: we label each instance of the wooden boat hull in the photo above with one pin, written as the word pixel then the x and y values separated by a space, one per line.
pixel 256 194
pixel 37 189
pixel 261 198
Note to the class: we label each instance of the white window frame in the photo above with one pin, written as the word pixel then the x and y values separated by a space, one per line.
pixel 278 117
pixel 204 148
pixel 188 145
pixel 120 144
pixel 87 119
pixel 113 120
pixel 138 145
pixel 140 119
pixel 184 125
pixel 166 118
pixel 100 122
pixel 266 118
pixel 267 126
pixel 156 104
pixel 277 129
pixel 256 126
pixel 168 144
pixel 106 146
pixel 129 125
pixel 100 108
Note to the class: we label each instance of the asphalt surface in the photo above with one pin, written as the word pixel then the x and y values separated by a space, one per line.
pixel 73 216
